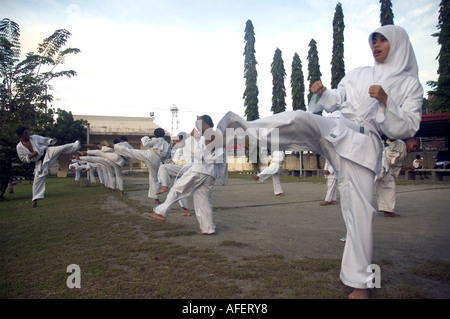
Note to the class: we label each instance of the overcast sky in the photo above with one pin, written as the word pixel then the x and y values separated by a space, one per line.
pixel 142 56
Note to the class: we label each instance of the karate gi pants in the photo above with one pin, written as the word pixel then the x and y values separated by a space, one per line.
pixel 150 159
pixel 355 184
pixel 42 168
pixel 168 171
pixel 200 185
pixel 273 170
pixel 386 193
pixel 108 168
pixel 117 165
pixel 331 190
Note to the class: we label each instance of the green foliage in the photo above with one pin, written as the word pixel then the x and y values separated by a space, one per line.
pixel 66 129
pixel 278 89
pixel 337 61
pixel 313 65
pixel 440 90
pixel 297 84
pixel 386 14
pixel 250 74
pixel 24 95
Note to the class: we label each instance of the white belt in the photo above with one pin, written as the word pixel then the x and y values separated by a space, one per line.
pixel 357 128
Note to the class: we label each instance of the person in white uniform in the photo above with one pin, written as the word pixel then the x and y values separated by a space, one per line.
pixel 382 99
pixel 392 162
pixel 107 151
pixel 95 168
pixel 174 168
pixel 275 168
pixel 41 151
pixel 157 152
pixel 107 167
pixel 77 167
pixel 208 165
pixel 330 175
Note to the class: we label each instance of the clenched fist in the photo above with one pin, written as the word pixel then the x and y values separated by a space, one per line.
pixel 377 92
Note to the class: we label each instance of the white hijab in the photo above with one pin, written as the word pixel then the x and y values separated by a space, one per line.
pixel 401 59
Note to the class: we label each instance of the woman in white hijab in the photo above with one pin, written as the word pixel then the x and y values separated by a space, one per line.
pixel 383 99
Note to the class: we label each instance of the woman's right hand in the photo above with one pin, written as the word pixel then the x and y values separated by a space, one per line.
pixel 318 88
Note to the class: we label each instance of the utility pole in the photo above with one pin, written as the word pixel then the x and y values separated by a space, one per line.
pixel 174 110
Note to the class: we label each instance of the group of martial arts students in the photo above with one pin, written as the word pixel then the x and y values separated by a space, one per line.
pixel 373 101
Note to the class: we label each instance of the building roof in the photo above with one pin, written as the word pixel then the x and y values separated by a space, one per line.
pixel 434 125
pixel 120 125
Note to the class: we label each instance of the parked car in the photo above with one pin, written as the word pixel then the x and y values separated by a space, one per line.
pixel 443 160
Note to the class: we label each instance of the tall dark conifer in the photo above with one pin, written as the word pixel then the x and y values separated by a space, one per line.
pixel 278 89
pixel 337 61
pixel 297 84
pixel 313 65
pixel 386 14
pixel 250 74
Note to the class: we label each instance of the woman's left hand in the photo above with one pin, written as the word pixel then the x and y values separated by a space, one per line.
pixel 377 92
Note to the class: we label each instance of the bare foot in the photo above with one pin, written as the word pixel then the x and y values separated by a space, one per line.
pixel 186 212
pixel 34 205
pixel 280 194
pixel 359 294
pixel 255 177
pixel 206 234
pixel 324 203
pixel 157 216
pixel 163 189
pixel 157 201
pixel 122 193
pixel 391 214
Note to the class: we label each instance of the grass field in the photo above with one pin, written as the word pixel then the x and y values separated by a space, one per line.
pixel 123 256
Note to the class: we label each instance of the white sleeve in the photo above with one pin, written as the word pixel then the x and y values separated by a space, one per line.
pixel 401 117
pixel 148 142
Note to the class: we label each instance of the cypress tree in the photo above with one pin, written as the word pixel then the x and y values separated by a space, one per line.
pixel 250 74
pixel 313 65
pixel 278 89
pixel 440 102
pixel 337 61
pixel 386 14
pixel 297 84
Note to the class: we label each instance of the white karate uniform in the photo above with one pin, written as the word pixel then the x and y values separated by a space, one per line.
pixel 206 168
pixel 173 170
pixel 352 143
pixel 331 183
pixel 108 169
pixel 101 172
pixel 274 169
pixel 117 162
pixel 392 160
pixel 48 155
pixel 158 151
pixel 91 173
pixel 78 167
